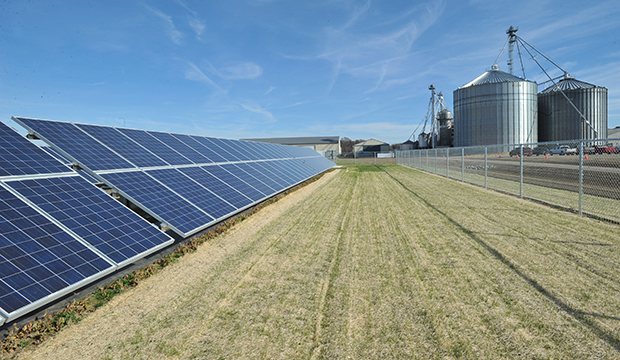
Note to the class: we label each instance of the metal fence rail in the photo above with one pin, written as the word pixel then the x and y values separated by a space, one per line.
pixel 581 176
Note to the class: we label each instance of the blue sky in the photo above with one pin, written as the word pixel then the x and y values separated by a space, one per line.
pixel 260 68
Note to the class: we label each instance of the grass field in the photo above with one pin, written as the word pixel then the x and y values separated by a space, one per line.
pixel 375 262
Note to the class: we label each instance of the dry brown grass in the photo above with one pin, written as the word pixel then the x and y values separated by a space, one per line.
pixel 382 263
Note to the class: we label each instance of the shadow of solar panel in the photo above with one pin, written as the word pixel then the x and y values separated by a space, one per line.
pixel 18 156
pixel 97 218
pixel 159 200
pixel 77 143
pixel 235 182
pixel 155 146
pixel 39 261
pixel 193 192
pixel 122 145
pixel 217 186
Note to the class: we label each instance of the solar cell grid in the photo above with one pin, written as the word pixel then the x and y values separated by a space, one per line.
pixel 199 147
pixel 287 168
pixel 211 144
pixel 250 177
pixel 255 149
pixel 122 145
pixel 217 186
pixel 56 155
pixel 74 141
pixel 193 191
pixel 243 148
pixel 159 199
pixel 235 182
pixel 286 178
pixel 37 258
pixel 180 147
pixel 93 215
pixel 269 177
pixel 18 156
pixel 155 146
pixel 229 148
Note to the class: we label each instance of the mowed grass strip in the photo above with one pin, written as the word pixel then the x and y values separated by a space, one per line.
pixel 375 262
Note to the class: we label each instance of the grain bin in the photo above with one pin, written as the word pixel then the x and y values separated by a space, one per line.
pixel 496 108
pixel 558 120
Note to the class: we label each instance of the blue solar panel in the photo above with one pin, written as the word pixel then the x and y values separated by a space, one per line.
pixel 160 200
pixel 18 156
pixel 180 147
pixel 206 151
pixel 75 142
pixel 217 186
pixel 194 192
pixel 37 258
pixel 289 169
pixel 157 147
pixel 91 179
pixel 96 217
pixel 249 177
pixel 235 182
pixel 122 145
pixel 270 177
pixel 244 149
pixel 212 144
pixel 226 146
pixel 256 149
pixel 56 155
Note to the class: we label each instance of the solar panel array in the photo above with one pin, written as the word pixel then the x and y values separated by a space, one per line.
pixel 58 231
pixel 186 182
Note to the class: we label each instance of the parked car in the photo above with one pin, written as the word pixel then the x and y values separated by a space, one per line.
pixel 527 151
pixel 540 150
pixel 605 149
pixel 563 150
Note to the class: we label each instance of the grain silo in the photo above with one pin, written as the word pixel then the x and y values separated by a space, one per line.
pixel 559 120
pixel 496 108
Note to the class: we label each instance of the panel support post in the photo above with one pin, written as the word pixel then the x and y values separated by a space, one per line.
pixel 581 178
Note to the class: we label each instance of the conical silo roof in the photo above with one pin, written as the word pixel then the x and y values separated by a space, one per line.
pixel 568 84
pixel 495 75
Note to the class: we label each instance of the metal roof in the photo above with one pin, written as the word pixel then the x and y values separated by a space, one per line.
pixel 299 140
pixel 568 84
pixel 495 75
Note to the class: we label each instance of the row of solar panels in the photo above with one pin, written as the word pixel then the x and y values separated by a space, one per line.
pixel 59 232
pixel 186 182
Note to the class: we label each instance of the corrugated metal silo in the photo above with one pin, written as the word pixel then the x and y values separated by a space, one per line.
pixel 557 118
pixel 496 108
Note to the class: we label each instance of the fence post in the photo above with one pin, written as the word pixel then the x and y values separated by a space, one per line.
pixel 435 161
pixel 374 155
pixel 354 158
pixel 580 178
pixel 448 163
pixel 463 164
pixel 486 185
pixel 521 172
pixel 426 160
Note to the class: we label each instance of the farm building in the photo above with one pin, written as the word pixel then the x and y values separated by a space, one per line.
pixel 326 145
pixel 371 145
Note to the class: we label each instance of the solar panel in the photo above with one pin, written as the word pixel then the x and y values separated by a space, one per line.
pixel 38 260
pixel 269 177
pixel 193 191
pixel 180 147
pixel 159 200
pixel 56 155
pixel 217 186
pixel 155 146
pixel 248 176
pixel 209 143
pixel 96 217
pixel 76 142
pixel 206 151
pixel 228 148
pixel 235 182
pixel 122 145
pixel 18 156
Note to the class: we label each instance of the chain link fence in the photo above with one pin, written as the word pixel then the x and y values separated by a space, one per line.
pixel 581 176
pixel 365 158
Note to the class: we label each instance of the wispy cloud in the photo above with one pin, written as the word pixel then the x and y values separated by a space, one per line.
pixel 243 71
pixel 197 25
pixel 271 88
pixel 195 74
pixel 174 34
pixel 256 109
